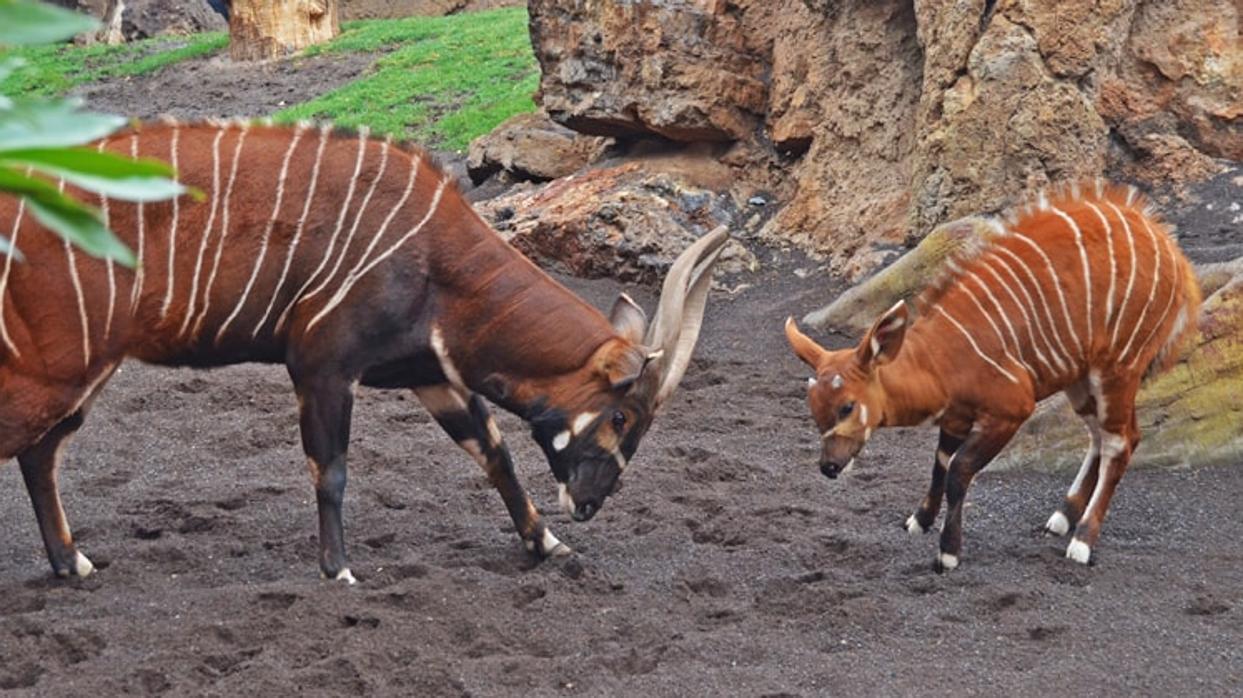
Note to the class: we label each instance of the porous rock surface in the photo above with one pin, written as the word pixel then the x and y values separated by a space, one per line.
pixel 872 121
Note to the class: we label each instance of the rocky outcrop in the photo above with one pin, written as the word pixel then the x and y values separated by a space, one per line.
pixel 142 19
pixel 532 147
pixel 628 221
pixel 873 121
pixel 1190 414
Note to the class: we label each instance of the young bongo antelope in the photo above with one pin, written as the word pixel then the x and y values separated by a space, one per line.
pixel 349 260
pixel 1083 292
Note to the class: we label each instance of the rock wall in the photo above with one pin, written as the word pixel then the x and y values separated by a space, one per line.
pixel 871 121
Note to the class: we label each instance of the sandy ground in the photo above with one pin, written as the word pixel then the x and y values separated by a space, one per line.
pixel 727 565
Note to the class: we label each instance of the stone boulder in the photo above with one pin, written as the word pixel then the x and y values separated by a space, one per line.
pixel 532 147
pixel 627 222
pixel 873 121
pixel 142 19
pixel 1192 414
pixel 682 70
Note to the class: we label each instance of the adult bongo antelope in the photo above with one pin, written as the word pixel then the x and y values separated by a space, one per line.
pixel 350 260
pixel 1081 291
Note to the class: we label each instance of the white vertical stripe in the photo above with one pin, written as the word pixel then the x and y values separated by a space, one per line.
pixel 1028 318
pixel 112 277
pixel 362 208
pixel 1113 263
pixel 344 290
pixel 1169 305
pixel 175 142
pixel 206 236
pixel 1130 284
pixel 267 233
pixel 136 293
pixel 1152 288
pixel 332 241
pixel 1057 285
pixel 243 131
pixel 4 280
pixel 297 236
pixel 1087 272
pixel 1063 358
pixel 72 259
pixel 1005 350
pixel 975 346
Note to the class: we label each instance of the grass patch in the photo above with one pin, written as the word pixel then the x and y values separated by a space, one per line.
pixel 54 70
pixel 445 81
pixel 441 82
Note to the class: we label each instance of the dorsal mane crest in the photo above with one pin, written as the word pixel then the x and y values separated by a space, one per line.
pixel 334 131
pixel 1061 196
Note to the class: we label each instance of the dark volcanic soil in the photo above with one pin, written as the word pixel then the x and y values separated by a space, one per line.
pixel 217 87
pixel 727 565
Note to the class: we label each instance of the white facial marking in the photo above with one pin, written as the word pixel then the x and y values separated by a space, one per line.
pixel 583 421
pixel 345 576
pixel 948 562
pixel 913 527
pixel 564 497
pixel 837 381
pixel 560 441
pixel 863 414
pixel 1058 525
pixel 82 566
pixel 1079 551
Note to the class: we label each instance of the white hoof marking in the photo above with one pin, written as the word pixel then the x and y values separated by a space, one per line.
pixel 1058 525
pixel 1079 551
pixel 345 576
pixel 82 566
pixel 553 547
pixel 913 527
pixel 947 561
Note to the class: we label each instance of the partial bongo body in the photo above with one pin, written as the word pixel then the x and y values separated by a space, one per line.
pixel 350 260
pixel 1083 291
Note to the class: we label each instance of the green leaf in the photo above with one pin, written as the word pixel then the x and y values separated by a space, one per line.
pixel 82 227
pixel 24 22
pixel 104 173
pixel 7 247
pixel 75 222
pixel 91 161
pixel 52 124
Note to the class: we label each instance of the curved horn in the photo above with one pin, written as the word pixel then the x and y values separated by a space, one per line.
pixel 680 314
